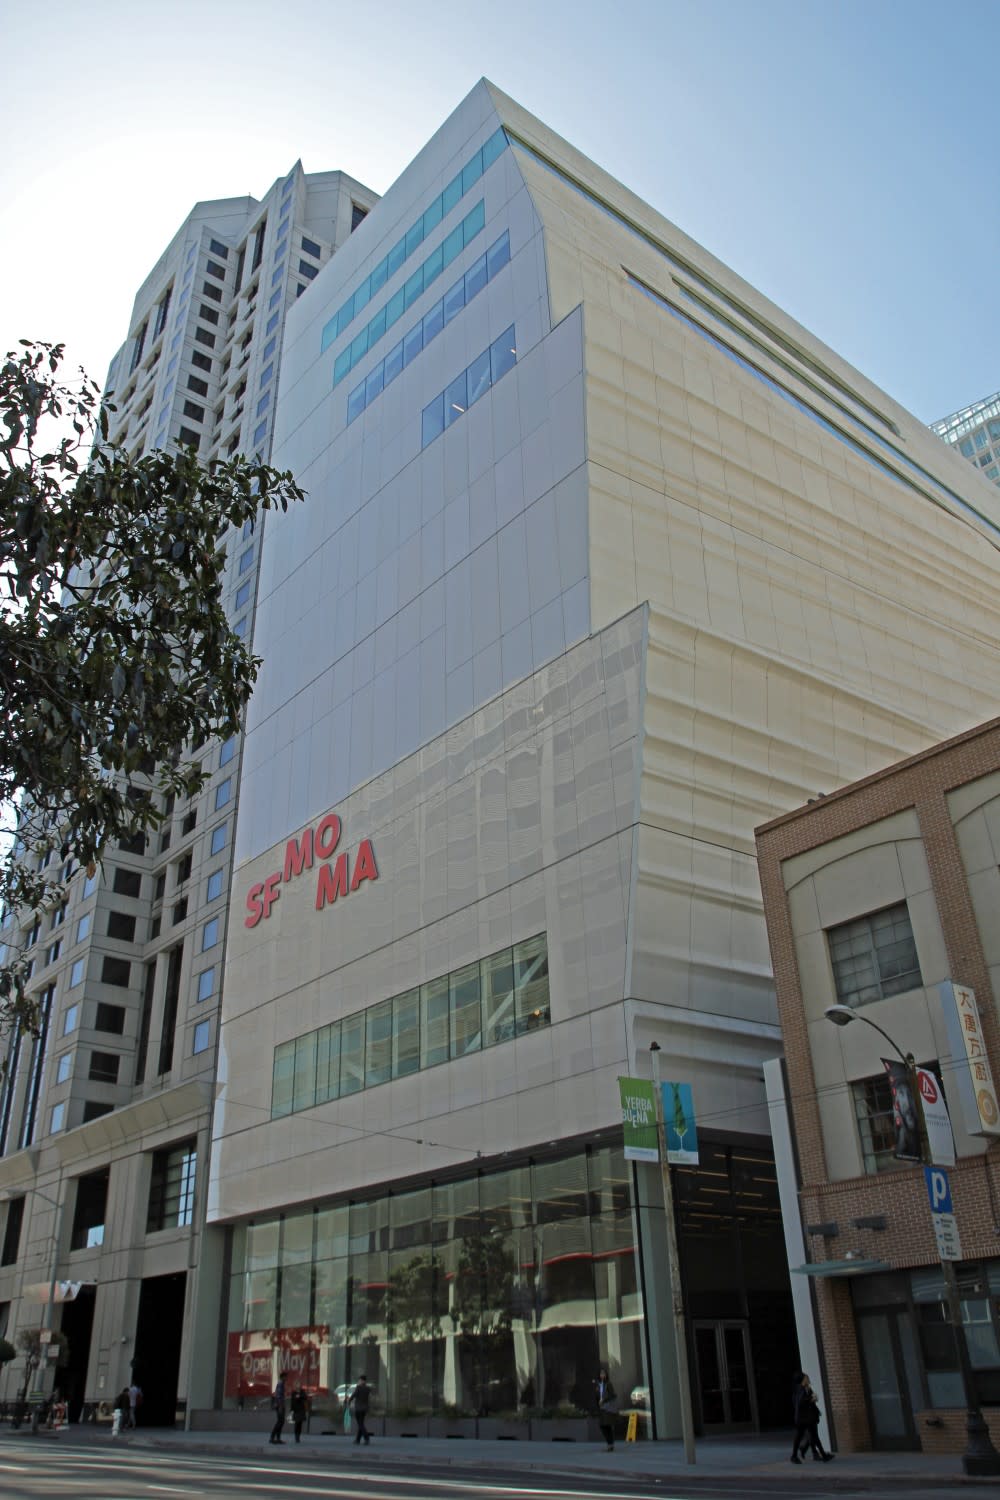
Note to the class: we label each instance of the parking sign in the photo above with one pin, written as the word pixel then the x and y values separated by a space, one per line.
pixel 949 1245
pixel 938 1190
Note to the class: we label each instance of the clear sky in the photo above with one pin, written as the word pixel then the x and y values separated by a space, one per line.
pixel 839 154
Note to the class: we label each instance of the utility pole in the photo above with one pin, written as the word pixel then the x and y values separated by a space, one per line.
pixel 673 1265
pixel 980 1456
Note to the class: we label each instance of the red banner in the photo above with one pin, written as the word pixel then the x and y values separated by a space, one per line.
pixel 255 1360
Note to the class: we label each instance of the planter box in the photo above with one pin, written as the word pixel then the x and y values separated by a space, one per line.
pixel 456 1427
pixel 234 1421
pixel 495 1429
pixel 559 1430
pixel 404 1426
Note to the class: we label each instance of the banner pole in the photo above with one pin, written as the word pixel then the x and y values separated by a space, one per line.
pixel 674 1265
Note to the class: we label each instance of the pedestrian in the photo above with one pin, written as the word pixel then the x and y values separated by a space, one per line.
pixel 278 1403
pixel 300 1410
pixel 359 1402
pixel 806 1412
pixel 119 1418
pixel 135 1401
pixel 607 1408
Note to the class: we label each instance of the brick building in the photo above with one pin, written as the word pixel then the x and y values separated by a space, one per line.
pixel 877 896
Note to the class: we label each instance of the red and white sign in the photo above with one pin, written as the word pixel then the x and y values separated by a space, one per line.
pixel 255 1360
pixel 334 877
pixel 937 1124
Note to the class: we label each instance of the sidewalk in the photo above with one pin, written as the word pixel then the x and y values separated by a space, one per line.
pixel 743 1461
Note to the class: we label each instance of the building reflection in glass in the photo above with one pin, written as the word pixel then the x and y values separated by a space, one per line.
pixel 490 1294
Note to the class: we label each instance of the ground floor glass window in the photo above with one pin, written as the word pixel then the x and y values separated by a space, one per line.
pixel 498 1294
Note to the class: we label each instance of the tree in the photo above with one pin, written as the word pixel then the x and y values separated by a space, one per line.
pixel 35 1350
pixel 483 1298
pixel 115 652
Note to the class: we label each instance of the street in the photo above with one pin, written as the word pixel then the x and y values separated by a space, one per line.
pixel 31 1470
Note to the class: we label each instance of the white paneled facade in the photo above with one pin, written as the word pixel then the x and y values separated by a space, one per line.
pixel 599 566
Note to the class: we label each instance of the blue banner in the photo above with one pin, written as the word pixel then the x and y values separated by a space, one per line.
pixel 678 1117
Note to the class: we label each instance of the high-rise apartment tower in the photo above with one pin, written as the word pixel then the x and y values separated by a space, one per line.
pixel 128 969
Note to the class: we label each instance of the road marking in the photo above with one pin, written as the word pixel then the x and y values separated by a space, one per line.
pixel 395 1483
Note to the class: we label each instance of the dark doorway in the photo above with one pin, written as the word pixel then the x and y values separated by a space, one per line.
pixel 77 1324
pixel 157 1358
pixel 722 1375
pixel 743 1348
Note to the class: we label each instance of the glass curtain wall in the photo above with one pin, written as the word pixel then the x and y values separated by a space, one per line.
pixel 497 1293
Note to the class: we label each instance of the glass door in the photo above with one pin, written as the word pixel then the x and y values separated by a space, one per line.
pixel 724 1375
pixel 890 1367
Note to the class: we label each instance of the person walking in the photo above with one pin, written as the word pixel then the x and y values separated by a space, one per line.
pixel 607 1408
pixel 120 1415
pixel 299 1405
pixel 359 1403
pixel 806 1412
pixel 135 1401
pixel 278 1403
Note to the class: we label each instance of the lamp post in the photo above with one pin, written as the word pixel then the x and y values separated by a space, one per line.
pixel 59 1206
pixel 674 1265
pixel 980 1456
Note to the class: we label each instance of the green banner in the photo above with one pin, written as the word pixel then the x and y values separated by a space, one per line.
pixel 639 1118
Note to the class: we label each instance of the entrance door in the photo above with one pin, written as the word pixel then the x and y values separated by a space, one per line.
pixel 77 1324
pixel 889 1357
pixel 157 1359
pixel 724 1375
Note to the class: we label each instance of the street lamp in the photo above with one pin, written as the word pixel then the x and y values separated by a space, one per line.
pixel 980 1456
pixel 843 1015
pixel 60 1207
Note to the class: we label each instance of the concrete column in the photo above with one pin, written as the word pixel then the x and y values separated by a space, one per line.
pixel 206 1300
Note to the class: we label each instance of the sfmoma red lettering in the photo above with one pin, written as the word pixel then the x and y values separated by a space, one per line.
pixel 299 856
pixel 335 877
pixel 254 906
pixel 364 865
pixel 327 836
pixel 331 882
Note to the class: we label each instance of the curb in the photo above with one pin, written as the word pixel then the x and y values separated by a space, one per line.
pixel 768 1476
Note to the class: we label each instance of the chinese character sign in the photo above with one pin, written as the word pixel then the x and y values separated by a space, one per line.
pixel 973 1077
pixel 639 1118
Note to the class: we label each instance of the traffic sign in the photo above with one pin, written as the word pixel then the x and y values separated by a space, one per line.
pixel 938 1190
pixel 949 1245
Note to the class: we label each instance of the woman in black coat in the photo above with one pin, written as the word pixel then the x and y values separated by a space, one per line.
pixel 806 1413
